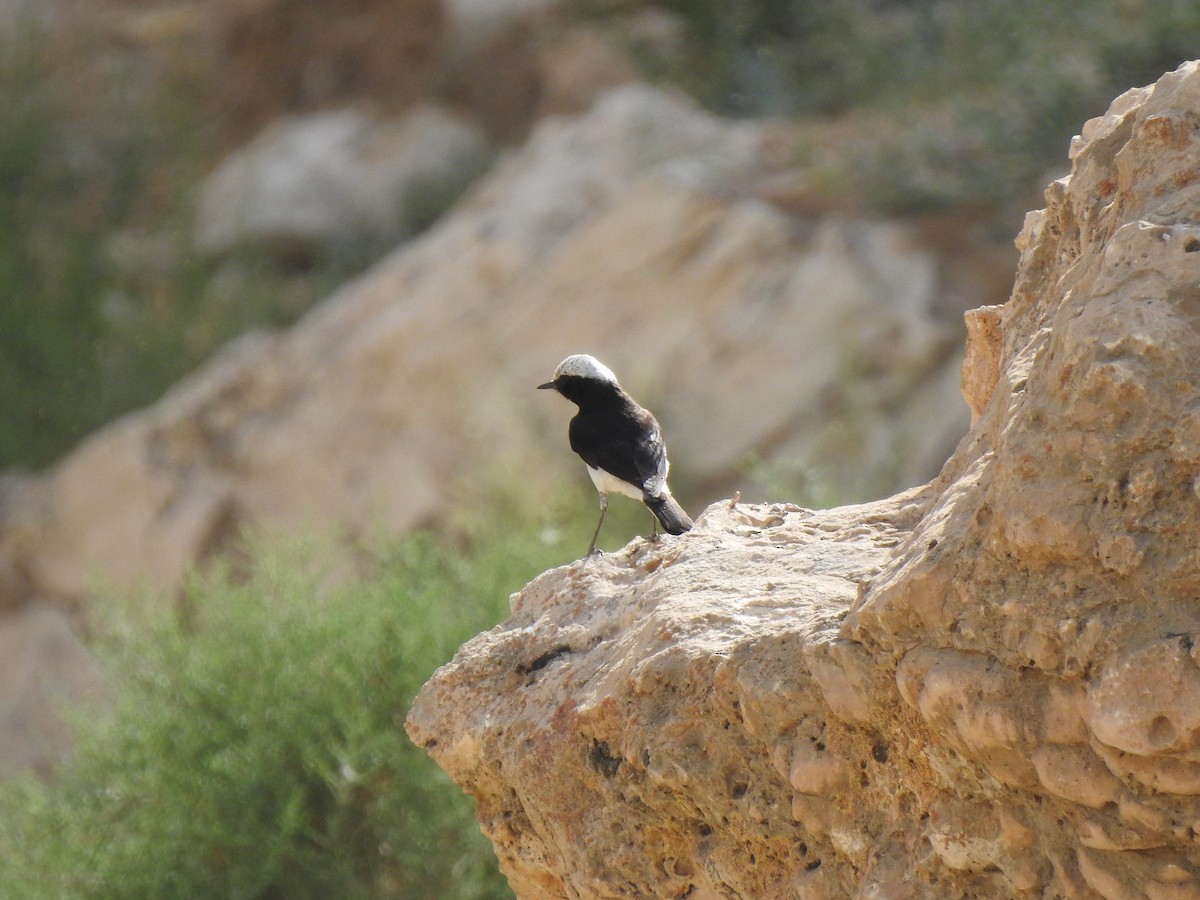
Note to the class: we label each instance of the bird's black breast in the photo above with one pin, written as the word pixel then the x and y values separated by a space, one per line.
pixel 622 439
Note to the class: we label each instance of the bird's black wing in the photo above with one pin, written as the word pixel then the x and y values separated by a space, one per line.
pixel 626 443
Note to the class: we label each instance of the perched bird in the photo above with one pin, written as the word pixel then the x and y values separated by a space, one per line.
pixel 618 440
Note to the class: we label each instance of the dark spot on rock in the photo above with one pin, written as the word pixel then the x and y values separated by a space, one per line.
pixel 1184 639
pixel 815 864
pixel 1191 245
pixel 602 759
pixel 879 752
pixel 1162 731
pixel 544 660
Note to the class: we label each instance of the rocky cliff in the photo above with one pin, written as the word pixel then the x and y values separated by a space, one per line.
pixel 987 686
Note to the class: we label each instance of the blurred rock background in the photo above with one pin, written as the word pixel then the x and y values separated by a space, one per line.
pixel 294 265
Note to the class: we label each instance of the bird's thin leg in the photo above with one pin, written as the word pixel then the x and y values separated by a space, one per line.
pixel 603 510
pixel 653 527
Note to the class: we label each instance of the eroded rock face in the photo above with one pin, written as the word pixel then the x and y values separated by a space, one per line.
pixel 983 687
pixel 43 668
pixel 655 722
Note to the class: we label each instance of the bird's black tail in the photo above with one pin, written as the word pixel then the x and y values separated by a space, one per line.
pixel 669 514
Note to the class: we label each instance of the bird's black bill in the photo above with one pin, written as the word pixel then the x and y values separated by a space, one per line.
pixel 549 385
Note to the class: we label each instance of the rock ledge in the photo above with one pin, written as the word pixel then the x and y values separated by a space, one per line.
pixel 986 687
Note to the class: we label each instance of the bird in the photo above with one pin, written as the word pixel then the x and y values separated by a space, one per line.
pixel 619 441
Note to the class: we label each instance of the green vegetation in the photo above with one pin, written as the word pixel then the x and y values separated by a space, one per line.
pixel 256 748
pixel 931 103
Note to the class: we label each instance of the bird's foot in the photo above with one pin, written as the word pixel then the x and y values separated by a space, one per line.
pixel 594 551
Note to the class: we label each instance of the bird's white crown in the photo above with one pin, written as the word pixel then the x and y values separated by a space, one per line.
pixel 581 365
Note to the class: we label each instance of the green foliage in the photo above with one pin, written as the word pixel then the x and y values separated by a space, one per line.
pixel 256 748
pixel 948 103
pixel 805 57
pixel 48 262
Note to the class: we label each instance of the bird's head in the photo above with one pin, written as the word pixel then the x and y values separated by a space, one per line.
pixel 580 366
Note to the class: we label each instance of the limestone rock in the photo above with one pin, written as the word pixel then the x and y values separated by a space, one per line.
pixel 653 721
pixel 43 668
pixel 338 178
pixel 982 687
pixel 635 232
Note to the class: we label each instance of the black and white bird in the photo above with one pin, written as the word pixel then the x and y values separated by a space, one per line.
pixel 619 441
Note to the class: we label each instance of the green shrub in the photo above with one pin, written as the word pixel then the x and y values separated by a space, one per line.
pixel 256 748
pixel 947 103
pixel 49 263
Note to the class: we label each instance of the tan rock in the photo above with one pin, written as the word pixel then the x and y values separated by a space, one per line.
pixel 818 772
pixel 1075 773
pixel 1018 714
pixel 634 232
pixel 43 669
pixel 981 361
pixel 334 179
pixel 675 693
pixel 1166 773
pixel 1147 700
pixel 966 837
pixel 980 707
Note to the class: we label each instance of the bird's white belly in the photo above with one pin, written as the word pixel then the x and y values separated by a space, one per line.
pixel 607 483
